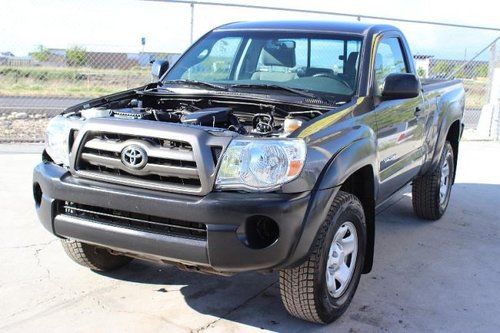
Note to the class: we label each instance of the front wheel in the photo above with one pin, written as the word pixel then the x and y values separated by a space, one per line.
pixel 321 288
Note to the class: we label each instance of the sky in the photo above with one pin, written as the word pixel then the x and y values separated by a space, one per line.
pixel 118 25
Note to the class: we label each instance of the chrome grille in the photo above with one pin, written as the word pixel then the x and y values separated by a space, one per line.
pixel 179 158
pixel 162 160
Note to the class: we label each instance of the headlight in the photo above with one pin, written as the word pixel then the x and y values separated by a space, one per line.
pixel 56 138
pixel 260 164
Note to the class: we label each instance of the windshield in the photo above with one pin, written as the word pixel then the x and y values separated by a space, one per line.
pixel 317 63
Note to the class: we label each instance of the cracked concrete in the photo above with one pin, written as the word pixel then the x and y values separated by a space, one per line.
pixel 441 276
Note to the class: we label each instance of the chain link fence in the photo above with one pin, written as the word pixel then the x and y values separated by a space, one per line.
pixel 37 86
pixel 478 78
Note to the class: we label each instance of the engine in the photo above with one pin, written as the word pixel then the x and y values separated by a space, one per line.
pixel 243 118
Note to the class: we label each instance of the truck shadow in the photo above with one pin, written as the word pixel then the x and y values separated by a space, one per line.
pixel 253 299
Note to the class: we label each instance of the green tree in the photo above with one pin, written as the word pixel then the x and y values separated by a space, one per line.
pixel 41 53
pixel 481 70
pixel 76 56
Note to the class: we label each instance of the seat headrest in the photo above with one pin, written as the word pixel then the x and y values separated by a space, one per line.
pixel 277 54
pixel 352 58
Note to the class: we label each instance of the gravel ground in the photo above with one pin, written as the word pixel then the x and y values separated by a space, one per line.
pixel 22 127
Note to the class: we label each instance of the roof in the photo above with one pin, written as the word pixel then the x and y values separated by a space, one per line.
pixel 314 26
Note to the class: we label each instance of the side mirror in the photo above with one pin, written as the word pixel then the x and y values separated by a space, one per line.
pixel 158 68
pixel 399 86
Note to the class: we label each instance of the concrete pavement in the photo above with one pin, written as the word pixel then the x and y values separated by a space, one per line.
pixel 428 276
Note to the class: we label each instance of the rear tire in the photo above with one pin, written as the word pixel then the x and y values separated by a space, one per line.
pixel 93 257
pixel 314 291
pixel 431 192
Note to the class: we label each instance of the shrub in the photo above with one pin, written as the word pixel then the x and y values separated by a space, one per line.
pixel 76 56
pixel 41 54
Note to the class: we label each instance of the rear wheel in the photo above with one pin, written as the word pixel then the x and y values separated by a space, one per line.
pixel 431 192
pixel 93 257
pixel 321 288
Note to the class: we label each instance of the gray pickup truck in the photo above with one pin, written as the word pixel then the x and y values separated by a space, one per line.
pixel 268 146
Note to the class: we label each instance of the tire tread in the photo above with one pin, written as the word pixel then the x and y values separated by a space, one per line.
pixel 297 284
pixel 83 254
pixel 425 192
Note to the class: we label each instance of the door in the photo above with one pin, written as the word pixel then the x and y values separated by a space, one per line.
pixel 398 136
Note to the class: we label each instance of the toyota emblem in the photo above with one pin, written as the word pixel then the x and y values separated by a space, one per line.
pixel 134 157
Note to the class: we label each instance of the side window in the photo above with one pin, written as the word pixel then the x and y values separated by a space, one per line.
pixel 388 59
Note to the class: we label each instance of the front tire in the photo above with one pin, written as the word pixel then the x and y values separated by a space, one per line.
pixel 93 257
pixel 322 287
pixel 431 192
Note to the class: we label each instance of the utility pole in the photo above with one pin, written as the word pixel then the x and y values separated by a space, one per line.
pixel 192 24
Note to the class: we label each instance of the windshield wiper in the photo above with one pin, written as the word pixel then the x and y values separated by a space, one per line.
pixel 195 83
pixel 299 92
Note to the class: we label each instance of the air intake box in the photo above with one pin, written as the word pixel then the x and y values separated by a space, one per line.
pixel 208 117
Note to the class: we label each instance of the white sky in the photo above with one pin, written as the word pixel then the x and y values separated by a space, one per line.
pixel 118 25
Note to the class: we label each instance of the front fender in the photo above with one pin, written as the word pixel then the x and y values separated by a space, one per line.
pixel 347 160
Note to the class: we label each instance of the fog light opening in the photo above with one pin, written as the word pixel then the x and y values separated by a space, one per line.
pixel 258 232
pixel 37 194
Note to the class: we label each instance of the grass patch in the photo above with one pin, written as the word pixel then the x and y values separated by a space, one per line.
pixel 68 82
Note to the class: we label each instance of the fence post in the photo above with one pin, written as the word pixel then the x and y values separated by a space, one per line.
pixel 491 70
pixel 488 125
pixel 494 93
pixel 191 24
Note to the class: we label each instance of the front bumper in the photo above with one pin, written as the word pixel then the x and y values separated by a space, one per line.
pixel 222 213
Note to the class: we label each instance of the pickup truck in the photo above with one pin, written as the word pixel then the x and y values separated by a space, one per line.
pixel 268 146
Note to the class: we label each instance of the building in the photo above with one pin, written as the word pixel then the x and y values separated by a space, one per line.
pixel 422 64
pixel 9 59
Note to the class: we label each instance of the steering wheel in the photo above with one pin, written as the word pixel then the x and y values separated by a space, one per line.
pixel 327 75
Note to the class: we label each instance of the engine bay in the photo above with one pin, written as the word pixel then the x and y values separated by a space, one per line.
pixel 241 116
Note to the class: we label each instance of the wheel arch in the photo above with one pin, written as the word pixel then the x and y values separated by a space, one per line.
pixel 453 136
pixel 354 172
pixel 449 124
pixel 350 167
pixel 362 185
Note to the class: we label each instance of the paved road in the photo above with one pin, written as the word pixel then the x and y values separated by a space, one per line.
pixel 49 105
pixel 428 277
